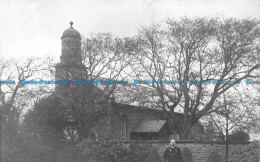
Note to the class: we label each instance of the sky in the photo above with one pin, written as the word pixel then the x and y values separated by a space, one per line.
pixel 34 27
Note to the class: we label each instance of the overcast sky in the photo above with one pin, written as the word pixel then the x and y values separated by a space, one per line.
pixel 34 27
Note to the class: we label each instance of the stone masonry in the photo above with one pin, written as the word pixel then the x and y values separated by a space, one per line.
pixel 209 151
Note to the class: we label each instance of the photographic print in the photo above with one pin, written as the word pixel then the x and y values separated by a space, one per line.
pixel 129 81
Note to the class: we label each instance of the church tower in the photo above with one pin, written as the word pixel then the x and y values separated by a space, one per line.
pixel 71 67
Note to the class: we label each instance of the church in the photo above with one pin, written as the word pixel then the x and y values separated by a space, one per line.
pixel 124 121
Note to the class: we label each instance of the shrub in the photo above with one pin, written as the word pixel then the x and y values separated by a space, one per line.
pixel 27 151
pixel 113 151
pixel 239 135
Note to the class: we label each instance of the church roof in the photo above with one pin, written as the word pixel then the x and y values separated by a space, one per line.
pixel 71 32
pixel 139 96
pixel 150 126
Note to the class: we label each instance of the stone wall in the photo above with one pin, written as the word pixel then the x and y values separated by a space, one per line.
pixel 209 151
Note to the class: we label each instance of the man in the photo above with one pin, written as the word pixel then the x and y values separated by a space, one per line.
pixel 172 153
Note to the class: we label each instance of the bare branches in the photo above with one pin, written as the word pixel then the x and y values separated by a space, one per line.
pixel 17 71
pixel 196 49
pixel 105 58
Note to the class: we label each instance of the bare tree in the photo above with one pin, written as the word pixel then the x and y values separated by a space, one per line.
pixel 236 112
pixel 105 58
pixel 206 50
pixel 14 93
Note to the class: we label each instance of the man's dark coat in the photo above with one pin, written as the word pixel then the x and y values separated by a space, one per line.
pixel 172 154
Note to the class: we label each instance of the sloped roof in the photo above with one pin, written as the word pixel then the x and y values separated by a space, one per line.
pixel 139 95
pixel 150 126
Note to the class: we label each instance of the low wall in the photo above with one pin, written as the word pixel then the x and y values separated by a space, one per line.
pixel 209 151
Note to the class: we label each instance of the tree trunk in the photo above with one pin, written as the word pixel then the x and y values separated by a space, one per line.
pixel 227 148
pixel 185 133
pixel 227 139
pixel 227 128
pixel 182 130
pixel 83 133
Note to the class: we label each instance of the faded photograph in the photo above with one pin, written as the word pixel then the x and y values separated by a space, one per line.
pixel 129 81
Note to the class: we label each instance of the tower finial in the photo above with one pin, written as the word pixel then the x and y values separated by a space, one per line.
pixel 71 23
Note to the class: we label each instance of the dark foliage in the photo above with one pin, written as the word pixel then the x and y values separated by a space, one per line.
pixel 112 151
pixel 239 135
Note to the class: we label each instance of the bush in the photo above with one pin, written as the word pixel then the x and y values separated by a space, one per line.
pixel 154 156
pixel 239 135
pixel 112 151
pixel 27 151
